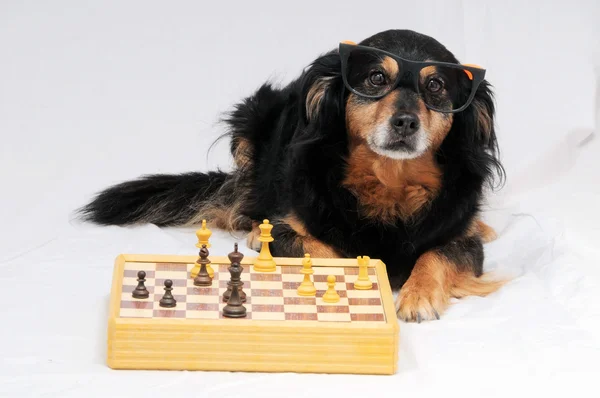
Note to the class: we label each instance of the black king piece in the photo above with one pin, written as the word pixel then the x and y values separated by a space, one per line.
pixel 234 307
pixel 235 258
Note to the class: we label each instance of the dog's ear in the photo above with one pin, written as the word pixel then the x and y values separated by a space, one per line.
pixel 321 88
pixel 482 113
pixel 478 131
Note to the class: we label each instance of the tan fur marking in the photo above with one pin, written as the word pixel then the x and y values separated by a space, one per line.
pixel 294 223
pixel 484 119
pixel 242 155
pixel 436 124
pixel 487 233
pixel 391 67
pixel 481 230
pixel 314 96
pixel 389 189
pixel 310 245
pixel 318 249
pixel 363 118
pixel 433 281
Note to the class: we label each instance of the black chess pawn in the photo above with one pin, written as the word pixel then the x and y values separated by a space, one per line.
pixel 140 292
pixel 235 258
pixel 168 301
pixel 203 278
pixel 234 307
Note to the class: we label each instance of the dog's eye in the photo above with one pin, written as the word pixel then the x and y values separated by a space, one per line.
pixel 435 85
pixel 377 78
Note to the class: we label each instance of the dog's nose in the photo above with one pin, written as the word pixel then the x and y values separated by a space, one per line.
pixel 405 123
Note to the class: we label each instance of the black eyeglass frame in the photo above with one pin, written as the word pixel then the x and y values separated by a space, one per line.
pixel 414 68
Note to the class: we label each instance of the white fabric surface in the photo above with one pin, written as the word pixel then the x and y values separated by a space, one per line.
pixel 93 93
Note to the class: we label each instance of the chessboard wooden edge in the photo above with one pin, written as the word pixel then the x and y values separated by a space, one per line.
pixel 376 340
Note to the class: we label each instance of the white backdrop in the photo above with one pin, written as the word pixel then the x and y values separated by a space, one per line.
pixel 93 93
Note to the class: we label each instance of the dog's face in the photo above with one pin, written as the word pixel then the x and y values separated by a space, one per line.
pixel 399 125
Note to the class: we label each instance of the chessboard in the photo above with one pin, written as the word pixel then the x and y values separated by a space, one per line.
pixel 279 330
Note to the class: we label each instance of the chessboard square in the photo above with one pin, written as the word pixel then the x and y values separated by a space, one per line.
pixel 293 277
pixel 171 267
pixel 333 317
pixel 293 316
pixel 291 292
pixel 179 305
pixel 178 278
pixel 265 277
pixel 351 270
pixel 290 286
pixel 337 271
pixel 189 267
pixel 323 278
pixel 323 285
pixel 291 269
pixel 135 313
pixel 354 270
pixel 267 285
pixel 203 298
pixel 169 313
pixel 268 316
pixel 363 294
pixel 265 292
pixel 127 292
pixel 203 307
pixel 300 300
pixel 202 291
pixel 300 309
pixel 132 282
pixel 132 273
pixel 322 306
pixel 244 277
pixel 367 317
pixel 366 309
pixel 136 304
pixel 267 307
pixel 221 268
pixel 269 300
pixel 190 314
pixel 364 301
pixel 341 293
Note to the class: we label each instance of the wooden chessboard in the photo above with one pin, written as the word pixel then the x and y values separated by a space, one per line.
pixel 282 331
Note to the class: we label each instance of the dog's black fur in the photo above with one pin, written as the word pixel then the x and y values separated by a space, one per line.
pixel 292 159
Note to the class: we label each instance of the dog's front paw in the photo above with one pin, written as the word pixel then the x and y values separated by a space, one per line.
pixel 252 240
pixel 421 301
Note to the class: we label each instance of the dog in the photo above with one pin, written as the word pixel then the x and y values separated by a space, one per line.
pixel 383 148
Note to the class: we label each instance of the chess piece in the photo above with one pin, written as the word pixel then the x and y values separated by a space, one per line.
pixel 331 296
pixel 140 292
pixel 203 235
pixel 307 288
pixel 363 282
pixel 264 262
pixel 235 259
pixel 168 301
pixel 203 278
pixel 234 307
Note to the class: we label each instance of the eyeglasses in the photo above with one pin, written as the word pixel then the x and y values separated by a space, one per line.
pixel 444 87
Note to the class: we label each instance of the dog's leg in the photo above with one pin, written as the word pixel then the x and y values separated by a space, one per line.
pixel 291 240
pixel 486 232
pixel 453 270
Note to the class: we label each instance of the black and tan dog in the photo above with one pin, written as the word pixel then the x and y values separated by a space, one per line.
pixel 382 149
